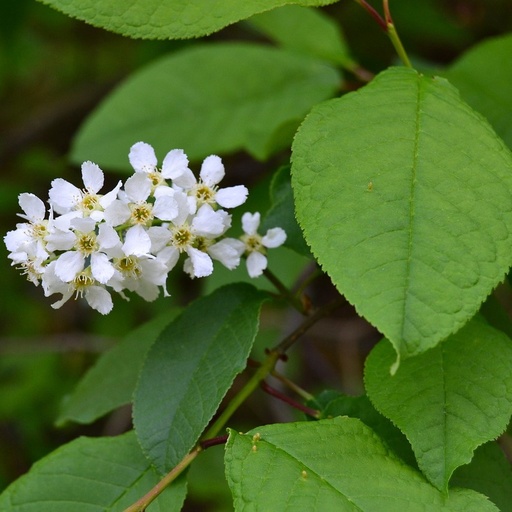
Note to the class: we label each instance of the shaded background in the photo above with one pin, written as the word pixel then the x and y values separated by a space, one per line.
pixel 53 72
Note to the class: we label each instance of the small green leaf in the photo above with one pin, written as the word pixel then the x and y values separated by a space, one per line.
pixel 109 384
pixel 281 213
pixel 167 19
pixel 483 76
pixel 189 369
pixel 91 475
pixel 333 465
pixel 405 197
pixel 489 473
pixel 448 400
pixel 305 30
pixel 206 99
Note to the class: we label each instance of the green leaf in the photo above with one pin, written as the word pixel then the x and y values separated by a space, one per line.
pixel 189 369
pixel 109 384
pixel 483 76
pixel 91 475
pixel 167 19
pixel 206 99
pixel 489 473
pixel 404 194
pixel 330 465
pixel 448 400
pixel 304 30
pixel 281 213
pixel 332 403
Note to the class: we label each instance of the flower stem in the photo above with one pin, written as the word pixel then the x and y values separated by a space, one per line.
pixel 285 344
pixel 292 299
pixel 262 371
pixel 393 35
pixel 145 501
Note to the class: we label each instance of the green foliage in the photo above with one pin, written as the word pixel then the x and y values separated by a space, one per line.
pixel 294 466
pixel 241 94
pixel 198 361
pixel 281 212
pixel 398 189
pixel 448 400
pixel 483 77
pixel 90 475
pixel 167 19
pixel 117 370
pixel 306 31
pixel 379 176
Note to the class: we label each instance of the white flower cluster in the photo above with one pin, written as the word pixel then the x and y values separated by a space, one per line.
pixel 131 237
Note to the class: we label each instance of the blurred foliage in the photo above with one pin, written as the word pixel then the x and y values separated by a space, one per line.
pixel 53 72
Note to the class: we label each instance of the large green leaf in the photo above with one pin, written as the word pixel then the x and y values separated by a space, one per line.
pixel 304 30
pixel 91 475
pixel 167 19
pixel 189 369
pixel 448 400
pixel 483 76
pixel 207 99
pixel 110 383
pixel 405 196
pixel 333 465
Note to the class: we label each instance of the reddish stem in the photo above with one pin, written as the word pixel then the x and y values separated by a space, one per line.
pixel 290 401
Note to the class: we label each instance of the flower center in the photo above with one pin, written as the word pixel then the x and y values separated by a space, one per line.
pixel 87 244
pixel 81 282
pixel 129 267
pixel 253 243
pixel 182 237
pixel 40 230
pixel 204 194
pixel 90 203
pixel 141 214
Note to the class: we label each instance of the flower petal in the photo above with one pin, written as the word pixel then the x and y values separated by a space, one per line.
pixel 212 170
pixel 165 208
pixel 138 187
pixel 99 299
pixel 256 264
pixel 175 164
pixel 101 268
pixel 274 238
pixel 231 197
pixel 117 213
pixel 69 265
pixel 202 264
pixel 228 252
pixel 63 195
pixel 142 157
pixel 208 222
pixel 250 222
pixel 33 207
pixel 137 242
pixel 92 177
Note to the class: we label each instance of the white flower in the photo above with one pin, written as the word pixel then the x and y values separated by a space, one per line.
pixel 133 208
pixel 256 245
pixel 206 191
pixel 143 159
pixel 228 251
pixel 30 237
pixel 28 243
pixel 65 197
pixel 88 248
pixel 83 285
